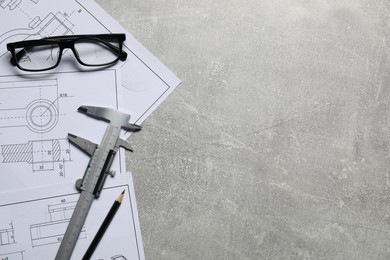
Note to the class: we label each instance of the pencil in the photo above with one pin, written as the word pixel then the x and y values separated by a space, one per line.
pixel 103 227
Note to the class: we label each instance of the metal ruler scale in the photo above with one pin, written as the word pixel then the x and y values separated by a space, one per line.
pixel 97 171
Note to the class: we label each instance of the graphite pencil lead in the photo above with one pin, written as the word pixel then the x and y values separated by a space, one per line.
pixel 120 197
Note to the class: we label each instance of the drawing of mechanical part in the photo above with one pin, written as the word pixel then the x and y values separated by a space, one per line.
pixel 51 25
pixel 31 104
pixel 44 155
pixel 11 4
pixel 52 231
pixel 7 235
pixel 12 256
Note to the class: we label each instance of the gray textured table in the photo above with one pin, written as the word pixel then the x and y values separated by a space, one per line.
pixel 276 145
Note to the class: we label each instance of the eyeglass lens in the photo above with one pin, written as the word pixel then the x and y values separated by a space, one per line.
pixel 90 51
pixel 95 52
pixel 38 57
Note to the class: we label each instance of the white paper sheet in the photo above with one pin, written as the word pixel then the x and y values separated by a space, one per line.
pixel 33 221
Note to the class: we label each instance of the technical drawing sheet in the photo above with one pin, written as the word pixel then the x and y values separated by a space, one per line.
pixel 33 222
pixel 36 115
pixel 38 110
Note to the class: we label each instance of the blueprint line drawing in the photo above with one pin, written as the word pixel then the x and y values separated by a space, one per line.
pixel 43 155
pixel 53 230
pixel 7 236
pixel 37 28
pixel 39 113
pixel 40 221
pixel 36 114
pixel 12 4
pixel 18 255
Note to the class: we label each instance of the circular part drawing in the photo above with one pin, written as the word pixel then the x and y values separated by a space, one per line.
pixel 42 116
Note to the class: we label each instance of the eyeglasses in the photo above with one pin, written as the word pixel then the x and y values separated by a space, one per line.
pixel 46 53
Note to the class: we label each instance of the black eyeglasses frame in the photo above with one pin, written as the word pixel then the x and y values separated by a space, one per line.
pixel 67 42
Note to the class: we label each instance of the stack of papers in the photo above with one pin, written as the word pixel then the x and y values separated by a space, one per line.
pixel 38 165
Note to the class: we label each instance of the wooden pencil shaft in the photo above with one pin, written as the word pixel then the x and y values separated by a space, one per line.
pixel 102 230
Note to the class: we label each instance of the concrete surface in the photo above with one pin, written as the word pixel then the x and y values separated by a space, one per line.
pixel 276 145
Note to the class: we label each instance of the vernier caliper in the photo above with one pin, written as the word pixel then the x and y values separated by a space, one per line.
pixel 97 171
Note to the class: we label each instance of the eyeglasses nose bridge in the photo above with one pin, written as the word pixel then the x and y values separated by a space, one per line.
pixel 67 44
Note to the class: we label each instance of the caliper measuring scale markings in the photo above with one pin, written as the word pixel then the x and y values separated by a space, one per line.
pixel 97 170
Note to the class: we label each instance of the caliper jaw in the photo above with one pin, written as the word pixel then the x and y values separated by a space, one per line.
pixel 83 144
pixel 89 148
pixel 110 115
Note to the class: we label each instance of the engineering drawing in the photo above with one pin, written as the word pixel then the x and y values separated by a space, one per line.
pixel 43 155
pixel 7 236
pixel 51 25
pixel 11 4
pixel 53 230
pixel 40 113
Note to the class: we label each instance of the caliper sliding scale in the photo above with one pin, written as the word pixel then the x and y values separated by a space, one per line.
pixel 98 168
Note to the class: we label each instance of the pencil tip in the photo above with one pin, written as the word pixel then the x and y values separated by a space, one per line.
pixel 123 192
pixel 120 197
